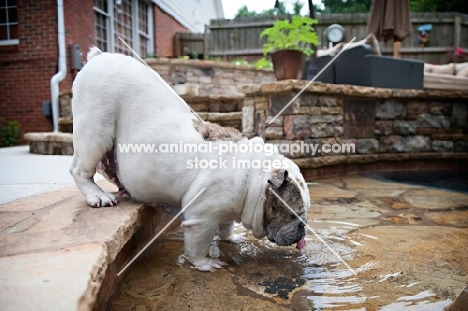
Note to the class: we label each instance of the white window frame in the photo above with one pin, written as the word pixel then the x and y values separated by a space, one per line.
pixel 136 29
pixel 9 41
pixel 110 22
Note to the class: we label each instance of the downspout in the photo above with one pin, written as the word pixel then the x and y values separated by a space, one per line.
pixel 62 65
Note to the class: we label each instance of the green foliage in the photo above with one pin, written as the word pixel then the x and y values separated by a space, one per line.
pixel 297 7
pixel 244 12
pixel 346 6
pixel 151 55
pixel 280 10
pixel 194 55
pixel 9 134
pixel 295 34
pixel 263 63
pixel 190 54
pixel 240 61
pixel 213 58
pixel 460 6
pixel 364 6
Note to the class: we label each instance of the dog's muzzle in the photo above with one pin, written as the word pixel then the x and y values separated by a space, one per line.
pixel 292 237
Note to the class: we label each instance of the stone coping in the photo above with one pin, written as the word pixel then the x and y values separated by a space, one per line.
pixel 55 250
pixel 66 93
pixel 220 116
pixel 212 98
pixel 308 162
pixel 49 136
pixel 320 88
pixel 201 64
pixel 323 161
pixel 65 121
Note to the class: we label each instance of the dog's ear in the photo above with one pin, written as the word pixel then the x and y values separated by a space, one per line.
pixel 277 178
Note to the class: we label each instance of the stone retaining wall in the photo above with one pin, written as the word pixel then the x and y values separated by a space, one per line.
pixel 382 124
pixel 225 110
pixel 197 77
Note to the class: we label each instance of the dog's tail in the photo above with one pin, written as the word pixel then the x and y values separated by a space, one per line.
pixel 93 51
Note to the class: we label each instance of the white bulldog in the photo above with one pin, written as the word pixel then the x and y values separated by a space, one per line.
pixel 118 100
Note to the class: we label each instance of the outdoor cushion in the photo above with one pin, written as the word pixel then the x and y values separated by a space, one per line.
pixel 445 82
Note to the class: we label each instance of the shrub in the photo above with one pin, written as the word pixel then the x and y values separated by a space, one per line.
pixel 10 134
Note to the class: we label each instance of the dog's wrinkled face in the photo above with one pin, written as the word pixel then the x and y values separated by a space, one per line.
pixel 281 225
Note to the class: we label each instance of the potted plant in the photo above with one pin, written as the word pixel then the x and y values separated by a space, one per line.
pixel 289 42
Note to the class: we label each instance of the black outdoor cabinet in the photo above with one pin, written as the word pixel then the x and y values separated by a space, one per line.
pixel 358 66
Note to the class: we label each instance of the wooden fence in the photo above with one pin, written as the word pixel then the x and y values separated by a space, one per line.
pixel 189 44
pixel 234 38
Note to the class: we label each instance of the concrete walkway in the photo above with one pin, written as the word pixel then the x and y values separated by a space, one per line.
pixel 23 174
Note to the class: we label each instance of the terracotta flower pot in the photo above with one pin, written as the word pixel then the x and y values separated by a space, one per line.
pixel 288 64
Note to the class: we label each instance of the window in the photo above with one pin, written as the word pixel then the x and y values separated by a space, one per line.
pixel 143 31
pixel 123 26
pixel 129 19
pixel 8 22
pixel 101 24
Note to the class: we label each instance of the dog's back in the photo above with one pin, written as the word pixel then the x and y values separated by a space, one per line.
pixel 110 80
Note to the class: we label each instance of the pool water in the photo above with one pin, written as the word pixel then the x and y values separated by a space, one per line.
pixel 449 180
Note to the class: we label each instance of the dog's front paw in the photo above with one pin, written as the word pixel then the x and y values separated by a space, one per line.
pixel 236 238
pixel 101 200
pixel 206 264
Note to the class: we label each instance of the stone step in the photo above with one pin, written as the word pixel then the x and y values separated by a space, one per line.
pixel 65 124
pixel 227 119
pixel 233 119
pixel 54 243
pixel 215 103
pixel 225 110
pixel 50 143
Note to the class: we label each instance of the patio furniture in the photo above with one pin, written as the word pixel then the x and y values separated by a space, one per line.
pixel 452 76
pixel 359 66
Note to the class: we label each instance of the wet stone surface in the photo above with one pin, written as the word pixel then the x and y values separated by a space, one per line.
pixel 406 243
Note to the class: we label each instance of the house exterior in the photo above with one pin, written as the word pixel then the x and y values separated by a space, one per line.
pixel 29 48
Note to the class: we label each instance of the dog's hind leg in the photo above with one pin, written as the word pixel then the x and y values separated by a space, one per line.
pixel 109 169
pixel 92 138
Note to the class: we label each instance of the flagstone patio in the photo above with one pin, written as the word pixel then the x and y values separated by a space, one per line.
pixel 406 242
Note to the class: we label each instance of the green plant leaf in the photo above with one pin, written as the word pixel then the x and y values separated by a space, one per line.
pixel 295 34
pixel 263 63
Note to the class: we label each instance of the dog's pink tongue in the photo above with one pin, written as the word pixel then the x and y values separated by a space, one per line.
pixel 301 243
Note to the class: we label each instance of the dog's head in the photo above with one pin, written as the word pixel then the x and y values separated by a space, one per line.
pixel 280 223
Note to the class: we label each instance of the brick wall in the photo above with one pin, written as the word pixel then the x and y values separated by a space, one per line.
pixel 165 27
pixel 79 29
pixel 26 68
